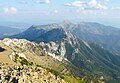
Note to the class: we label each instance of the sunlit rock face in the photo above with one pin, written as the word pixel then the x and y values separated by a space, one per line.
pixel 53 49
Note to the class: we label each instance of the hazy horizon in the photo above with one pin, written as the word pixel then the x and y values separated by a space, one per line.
pixel 23 25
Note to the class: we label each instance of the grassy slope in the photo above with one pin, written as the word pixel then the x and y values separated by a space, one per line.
pixel 4 56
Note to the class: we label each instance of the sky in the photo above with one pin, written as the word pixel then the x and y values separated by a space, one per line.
pixel 49 11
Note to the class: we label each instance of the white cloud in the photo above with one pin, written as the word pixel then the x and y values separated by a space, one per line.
pixel 55 11
pixel 47 1
pixel 115 8
pixel 42 1
pixel 107 0
pixel 95 5
pixel 37 1
pixel 92 4
pixel 11 10
pixel 76 4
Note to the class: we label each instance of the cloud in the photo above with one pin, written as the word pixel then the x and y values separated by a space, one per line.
pixel 95 5
pixel 91 5
pixel 76 4
pixel 115 8
pixel 55 11
pixel 107 0
pixel 42 1
pixel 11 10
pixel 47 1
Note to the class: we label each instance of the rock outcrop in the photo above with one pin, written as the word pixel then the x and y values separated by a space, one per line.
pixel 26 74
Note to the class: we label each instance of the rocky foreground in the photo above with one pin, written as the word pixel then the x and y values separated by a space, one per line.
pixel 26 74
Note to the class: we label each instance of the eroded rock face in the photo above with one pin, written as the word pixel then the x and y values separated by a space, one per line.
pixel 55 49
pixel 26 74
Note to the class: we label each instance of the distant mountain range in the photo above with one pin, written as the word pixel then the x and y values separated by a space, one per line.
pixel 92 62
pixel 106 36
pixel 7 31
pixel 15 24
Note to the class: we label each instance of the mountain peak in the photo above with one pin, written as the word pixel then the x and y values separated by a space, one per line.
pixel 54 35
pixel 66 22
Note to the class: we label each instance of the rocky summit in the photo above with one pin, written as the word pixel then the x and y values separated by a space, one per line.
pixel 16 67
pixel 26 74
